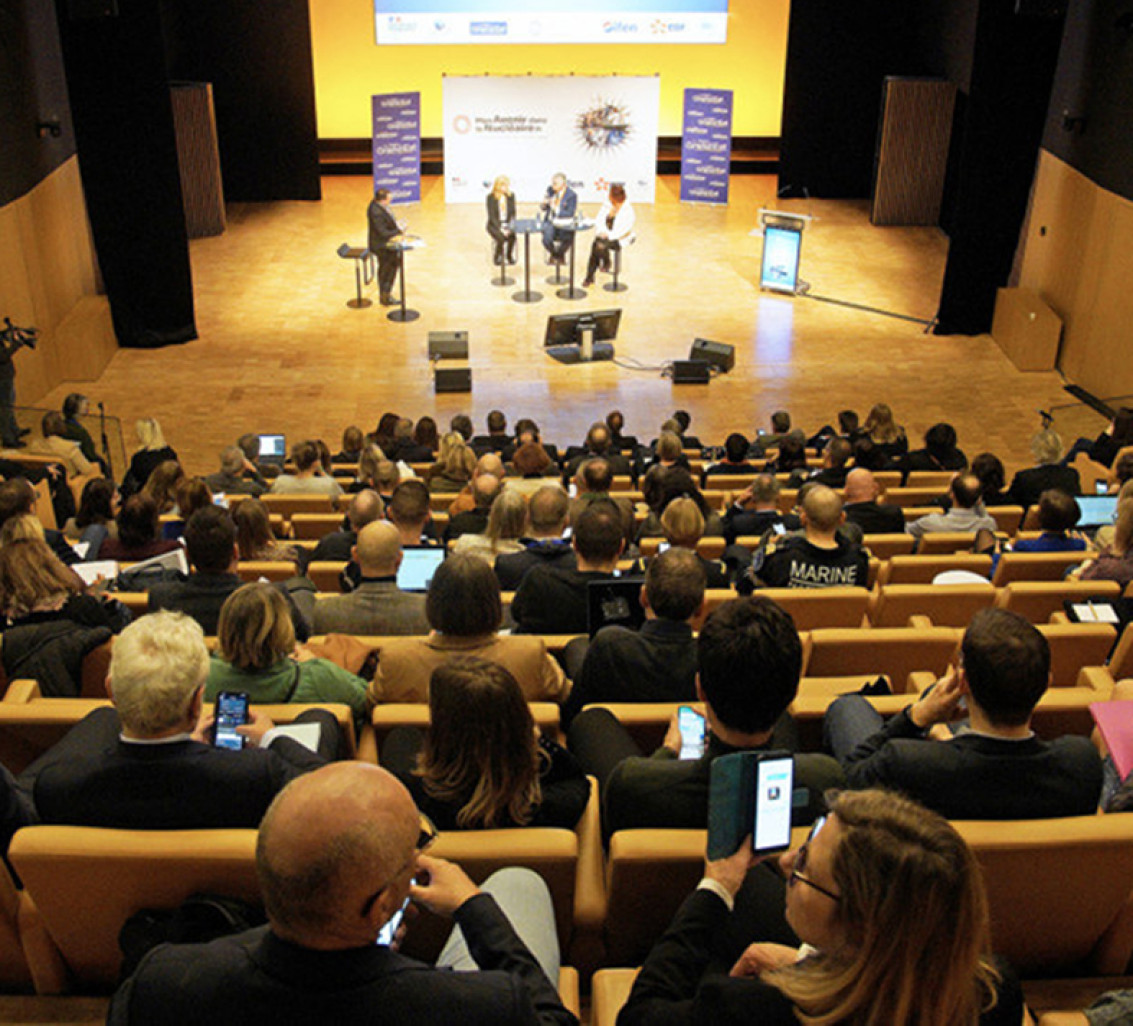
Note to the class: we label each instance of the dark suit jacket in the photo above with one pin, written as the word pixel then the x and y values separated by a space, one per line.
pixel 513 566
pixel 91 778
pixel 199 596
pixel 567 206
pixel 335 546
pixel 383 226
pixel 1028 485
pixel 619 465
pixel 494 210
pixel 257 979
pixel 978 777
pixel 553 600
pixel 740 522
pixel 876 517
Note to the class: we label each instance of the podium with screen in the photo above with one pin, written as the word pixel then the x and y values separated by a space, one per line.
pixel 582 337
pixel 782 249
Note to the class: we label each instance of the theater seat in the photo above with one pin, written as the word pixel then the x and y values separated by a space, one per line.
pixel 609 991
pixel 1035 566
pixel 1037 601
pixel 917 569
pixel 946 605
pixel 416 714
pixel 893 651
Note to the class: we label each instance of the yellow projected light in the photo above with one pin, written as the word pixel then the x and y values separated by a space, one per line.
pixel 350 67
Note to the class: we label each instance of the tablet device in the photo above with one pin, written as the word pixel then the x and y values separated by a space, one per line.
pixel 418 566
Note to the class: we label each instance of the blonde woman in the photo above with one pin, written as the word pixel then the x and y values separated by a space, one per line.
pixel 482 763
pixel 683 526
pixel 885 433
pixel 454 466
pixel 501 214
pixel 889 903
pixel 153 452
pixel 506 521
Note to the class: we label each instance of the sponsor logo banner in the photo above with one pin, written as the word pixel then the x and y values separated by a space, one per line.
pixel 397 145
pixel 706 145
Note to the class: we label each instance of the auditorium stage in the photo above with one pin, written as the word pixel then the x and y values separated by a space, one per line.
pixel 280 351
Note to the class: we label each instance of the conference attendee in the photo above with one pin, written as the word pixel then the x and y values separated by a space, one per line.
pixel 560 203
pixel 383 434
pixel 1058 516
pixel 668 449
pixel 656 663
pixel 820 557
pixel 544 544
pixel 338 855
pixel 501 536
pixel 233 477
pixel 1115 561
pixel 464 611
pixel 790 456
pixel 148 763
pixel 17 499
pixel 500 203
pixel 353 442
pixel 153 451
pixel 683 524
pixel 1048 472
pixel 98 508
pixel 966 514
pixel 309 477
pixel 461 424
pixel 554 599
pixel 406 447
pixel 848 428
pixel 56 445
pixel 862 508
pixel 497 439
pixel 162 485
pixel 756 510
pixel 616 421
pixel 376 605
pixel 490 462
pixel 408 511
pixel 735 459
pixel 257 653
pixel 210 542
pixel 780 429
pixel 369 462
pixel 684 422
pixel 456 462
pixel 255 540
pixel 593 483
pixel 940 452
pixel 527 433
pixel 881 889
pixel 993 479
pixel 998 769
pixel 249 445
pixel 77 405
pixel 887 435
pixel 835 464
pixel 529 469
pixel 600 446
pixel 138 535
pixel 482 764
pixel 663 484
pixel 383 229
pixel 1104 448
pixel 613 228
pixel 749 659
pixel 485 488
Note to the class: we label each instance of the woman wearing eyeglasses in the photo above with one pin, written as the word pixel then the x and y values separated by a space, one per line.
pixel 889 905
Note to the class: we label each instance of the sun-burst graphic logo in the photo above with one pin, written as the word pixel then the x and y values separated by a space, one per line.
pixel 604 126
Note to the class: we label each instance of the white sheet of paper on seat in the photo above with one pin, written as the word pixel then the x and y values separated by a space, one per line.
pixel 91 572
pixel 307 734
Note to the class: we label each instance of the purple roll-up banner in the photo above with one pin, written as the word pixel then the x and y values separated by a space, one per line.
pixel 397 145
pixel 706 146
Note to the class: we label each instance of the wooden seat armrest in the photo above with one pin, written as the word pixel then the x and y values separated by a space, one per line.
pixel 609 992
pixel 367 745
pixel 919 680
pixel 920 620
pixel 1111 956
pixel 22 691
pixel 1058 616
pixel 590 884
pixel 48 970
pixel 569 990
pixel 1098 679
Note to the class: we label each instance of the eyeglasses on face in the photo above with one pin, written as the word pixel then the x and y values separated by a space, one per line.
pixel 799 868
pixel 427 833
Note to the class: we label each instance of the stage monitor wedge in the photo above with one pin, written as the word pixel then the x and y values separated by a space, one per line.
pixel 717 354
pixel 691 372
pixel 452 379
pixel 448 345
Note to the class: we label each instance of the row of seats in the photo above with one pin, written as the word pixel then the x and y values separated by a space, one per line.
pixel 1059 890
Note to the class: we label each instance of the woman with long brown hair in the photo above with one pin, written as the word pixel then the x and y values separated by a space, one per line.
pixel 889 903
pixel 482 763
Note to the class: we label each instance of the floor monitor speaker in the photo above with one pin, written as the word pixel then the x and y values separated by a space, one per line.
pixel 448 345
pixel 718 354
pixel 453 379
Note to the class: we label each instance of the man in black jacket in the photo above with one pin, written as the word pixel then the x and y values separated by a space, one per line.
pixel 821 558
pixel 862 508
pixel 383 229
pixel 339 853
pixel 547 516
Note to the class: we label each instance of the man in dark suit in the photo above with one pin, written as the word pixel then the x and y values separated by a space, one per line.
pixel 862 508
pixel 364 508
pixel 749 659
pixel 756 509
pixel 548 513
pixel 561 202
pixel 598 446
pixel 339 853
pixel 1028 485
pixel 383 229
pixel 997 769
pixel 148 764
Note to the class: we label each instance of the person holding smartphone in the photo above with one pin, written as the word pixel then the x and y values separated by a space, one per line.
pixel 854 931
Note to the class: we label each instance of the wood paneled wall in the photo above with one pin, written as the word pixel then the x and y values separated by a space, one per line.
pixel 49 279
pixel 1078 256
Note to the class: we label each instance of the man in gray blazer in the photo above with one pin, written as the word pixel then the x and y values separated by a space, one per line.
pixel 377 605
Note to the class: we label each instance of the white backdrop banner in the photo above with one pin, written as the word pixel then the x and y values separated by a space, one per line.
pixel 596 130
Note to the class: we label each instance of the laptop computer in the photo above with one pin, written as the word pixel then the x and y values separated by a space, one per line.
pixel 418 566
pixel 273 449
pixel 1097 510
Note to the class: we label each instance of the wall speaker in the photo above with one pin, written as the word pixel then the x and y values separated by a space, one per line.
pixel 691 372
pixel 448 345
pixel 452 379
pixel 715 353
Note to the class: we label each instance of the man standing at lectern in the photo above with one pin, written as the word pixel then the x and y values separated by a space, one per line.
pixel 383 228
pixel 561 201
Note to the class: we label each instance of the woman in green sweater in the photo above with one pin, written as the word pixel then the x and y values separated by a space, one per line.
pixel 258 654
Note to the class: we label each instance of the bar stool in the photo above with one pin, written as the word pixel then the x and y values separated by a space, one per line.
pixel 363 272
pixel 615 285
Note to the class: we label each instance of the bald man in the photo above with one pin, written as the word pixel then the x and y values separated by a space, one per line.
pixel 489 463
pixel 484 487
pixel 376 605
pixel 863 509
pixel 365 507
pixel 336 858
pixel 820 557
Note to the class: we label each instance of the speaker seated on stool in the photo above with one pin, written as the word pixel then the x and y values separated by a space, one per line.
pixel 452 379
pixel 717 354
pixel 691 372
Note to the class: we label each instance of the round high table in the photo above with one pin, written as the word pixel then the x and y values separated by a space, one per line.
pixel 527 226
pixel 400 244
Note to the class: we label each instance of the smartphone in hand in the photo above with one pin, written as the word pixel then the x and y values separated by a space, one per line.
pixel 231 712
pixel 750 793
pixel 694 732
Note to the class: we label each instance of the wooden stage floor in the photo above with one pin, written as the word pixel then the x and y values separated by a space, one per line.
pixel 280 351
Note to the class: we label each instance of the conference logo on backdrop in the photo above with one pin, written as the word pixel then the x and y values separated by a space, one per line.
pixel 605 126
pixel 618 28
pixel 462 124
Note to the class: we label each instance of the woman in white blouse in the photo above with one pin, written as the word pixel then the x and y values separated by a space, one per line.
pixel 613 226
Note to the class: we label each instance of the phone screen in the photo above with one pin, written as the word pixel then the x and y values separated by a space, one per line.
pixel 1101 486
pixel 779 529
pixel 387 932
pixel 693 730
pixel 231 712
pixel 774 785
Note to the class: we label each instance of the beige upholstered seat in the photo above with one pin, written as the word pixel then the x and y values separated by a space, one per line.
pixel 946 605
pixel 1038 600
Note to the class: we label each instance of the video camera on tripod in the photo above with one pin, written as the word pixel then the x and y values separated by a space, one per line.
pixel 13 337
